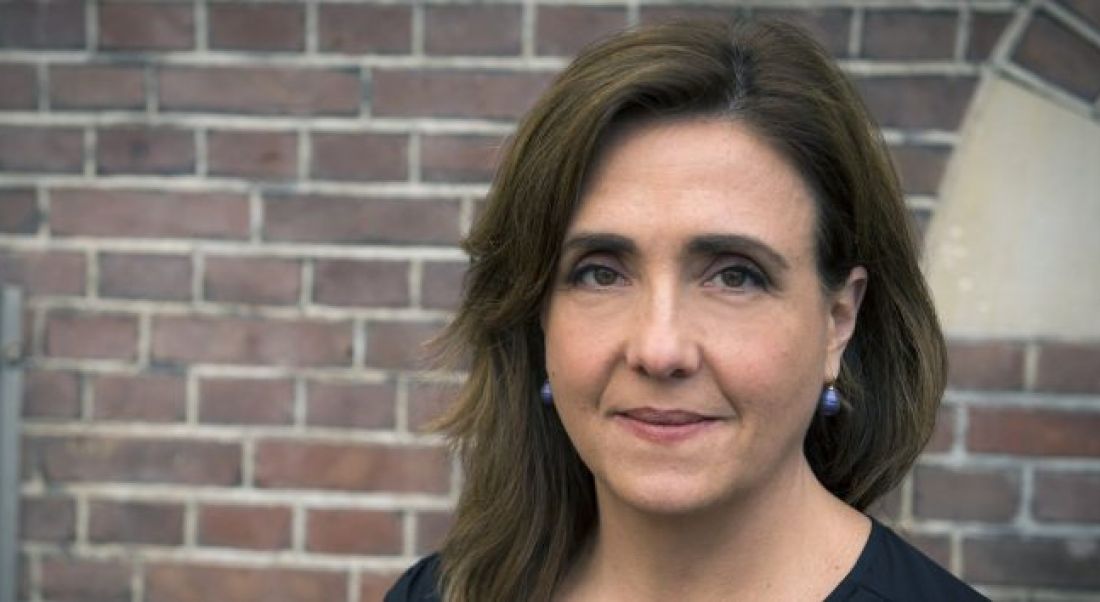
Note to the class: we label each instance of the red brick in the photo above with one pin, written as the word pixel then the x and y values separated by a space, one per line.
pixel 936 547
pixel 997 365
pixel 148 214
pixel 140 276
pixel 50 519
pixel 564 30
pixel 246 401
pixel 831 27
pixel 204 583
pixel 264 155
pixel 356 29
pixel 92 459
pixel 140 397
pixel 374 585
pixel 358 283
pixel 441 284
pixel 1057 54
pixel 51 394
pixel 249 527
pixel 360 157
pixel 943 437
pixel 259 280
pixel 985 30
pixel 431 527
pixel 91 336
pixel 146 26
pixel 96 87
pixel 260 90
pixel 35 149
pixel 1069 368
pixel 921 167
pixel 400 345
pixel 18 211
pixel 909 34
pixel 288 464
pixel 351 405
pixel 135 522
pixel 1067 496
pixel 251 341
pixel 657 14
pixel 44 272
pixel 1068 563
pixel 68 578
pixel 249 26
pixel 472 29
pixel 1031 432
pixel 442 93
pixel 18 88
pixel 140 150
pixel 361 220
pixel 1088 10
pixel 917 101
pixel 427 401
pixel 42 25
pixel 459 158
pixel 966 494
pixel 340 531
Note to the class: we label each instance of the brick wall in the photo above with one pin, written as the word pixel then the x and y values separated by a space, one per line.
pixel 236 221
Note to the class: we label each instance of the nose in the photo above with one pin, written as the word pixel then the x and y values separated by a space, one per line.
pixel 660 343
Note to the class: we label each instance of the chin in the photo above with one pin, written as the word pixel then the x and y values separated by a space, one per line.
pixel 669 495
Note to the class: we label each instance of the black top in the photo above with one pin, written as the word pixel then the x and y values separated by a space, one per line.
pixel 888 570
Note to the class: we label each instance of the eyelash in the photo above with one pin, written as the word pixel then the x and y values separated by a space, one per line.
pixel 751 276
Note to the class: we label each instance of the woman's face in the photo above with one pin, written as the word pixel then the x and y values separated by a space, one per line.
pixel 687 333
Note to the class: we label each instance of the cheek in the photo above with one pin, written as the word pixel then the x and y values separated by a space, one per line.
pixel 577 353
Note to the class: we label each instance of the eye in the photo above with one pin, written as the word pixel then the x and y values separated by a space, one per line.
pixel 738 277
pixel 595 276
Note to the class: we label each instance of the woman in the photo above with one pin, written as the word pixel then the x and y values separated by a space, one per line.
pixel 698 340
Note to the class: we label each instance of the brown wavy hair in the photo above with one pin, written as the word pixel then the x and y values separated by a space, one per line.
pixel 528 501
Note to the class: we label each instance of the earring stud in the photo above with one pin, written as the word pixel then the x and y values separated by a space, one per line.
pixel 830 401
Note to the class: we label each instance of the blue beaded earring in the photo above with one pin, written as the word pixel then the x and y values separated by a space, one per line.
pixel 830 401
pixel 545 394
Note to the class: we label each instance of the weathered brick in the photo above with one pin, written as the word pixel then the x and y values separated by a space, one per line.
pixel 445 93
pixel 69 578
pixel 831 27
pixel 246 401
pixel 1088 10
pixel 51 519
pixel 345 531
pixel 135 522
pixel 351 405
pixel 459 158
pixel 1067 496
pixel 360 220
pixel 91 336
pixel 251 341
pixel 240 526
pixel 966 494
pixel 96 87
pixel 146 26
pixel 355 29
pixel 50 394
pixel 92 459
pixel 18 87
pixel 427 401
pixel 357 283
pixel 477 29
pixel 260 90
pixel 148 214
pixel 985 30
pixel 373 585
pixel 40 150
pixel 921 167
pixel 441 284
pixel 909 34
pixel 431 527
pixel 399 345
pixel 943 437
pixel 360 156
pixel 43 272
pixel 250 26
pixel 141 150
pixel 203 583
pixel 140 397
pixel 42 25
pixel 264 155
pixel 888 507
pixel 917 101
pixel 260 280
pixel 141 276
pixel 294 464
pixel 18 211
pixel 936 547
pixel 1069 368
pixel 658 14
pixel 1057 54
pixel 1034 432
pixel 1068 563
pixel 564 30
pixel 986 365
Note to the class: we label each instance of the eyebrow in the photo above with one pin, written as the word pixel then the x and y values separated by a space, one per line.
pixel 705 244
pixel 586 242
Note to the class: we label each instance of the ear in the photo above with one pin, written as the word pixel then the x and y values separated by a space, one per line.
pixel 843 310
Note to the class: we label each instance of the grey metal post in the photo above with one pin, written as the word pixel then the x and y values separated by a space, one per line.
pixel 11 399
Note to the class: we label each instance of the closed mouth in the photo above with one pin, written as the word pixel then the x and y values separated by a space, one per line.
pixel 665 417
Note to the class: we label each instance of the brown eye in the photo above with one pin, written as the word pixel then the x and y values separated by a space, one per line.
pixel 604 276
pixel 733 278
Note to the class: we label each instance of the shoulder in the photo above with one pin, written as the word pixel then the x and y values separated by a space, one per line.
pixel 418 584
pixel 890 569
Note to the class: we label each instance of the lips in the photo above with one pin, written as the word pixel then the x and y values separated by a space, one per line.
pixel 664 417
pixel 665 427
